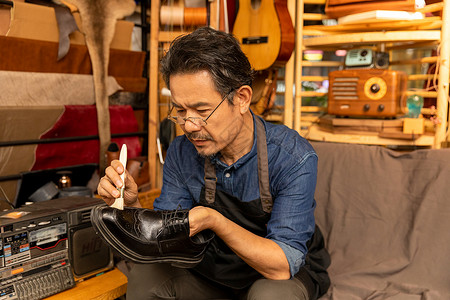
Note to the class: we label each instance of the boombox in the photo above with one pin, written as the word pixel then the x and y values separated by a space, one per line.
pixel 366 58
pixel 367 92
pixel 47 246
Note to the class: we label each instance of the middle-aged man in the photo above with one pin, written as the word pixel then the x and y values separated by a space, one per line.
pixel 249 181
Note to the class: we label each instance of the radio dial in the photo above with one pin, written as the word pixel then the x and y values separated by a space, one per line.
pixel 380 107
pixel 375 88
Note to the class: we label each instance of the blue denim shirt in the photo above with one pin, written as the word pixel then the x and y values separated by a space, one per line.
pixel 292 175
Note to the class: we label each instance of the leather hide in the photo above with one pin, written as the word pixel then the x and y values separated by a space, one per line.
pixel 99 19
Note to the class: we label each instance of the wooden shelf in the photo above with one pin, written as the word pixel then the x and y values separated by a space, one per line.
pixel 398 35
pixel 424 24
pixel 314 133
pixel 107 286
pixel 348 40
pixel 428 33
pixel 322 63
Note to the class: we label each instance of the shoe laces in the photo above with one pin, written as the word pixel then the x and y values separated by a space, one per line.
pixel 173 221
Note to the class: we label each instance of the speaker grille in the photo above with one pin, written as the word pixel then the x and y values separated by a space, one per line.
pixel 89 254
pixel 345 88
pixel 85 216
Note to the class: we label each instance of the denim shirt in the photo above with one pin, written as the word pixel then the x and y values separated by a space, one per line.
pixel 292 175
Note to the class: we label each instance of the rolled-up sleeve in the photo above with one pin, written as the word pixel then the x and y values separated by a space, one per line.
pixel 174 193
pixel 292 220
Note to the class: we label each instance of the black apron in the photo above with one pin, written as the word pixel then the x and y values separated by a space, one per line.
pixel 220 263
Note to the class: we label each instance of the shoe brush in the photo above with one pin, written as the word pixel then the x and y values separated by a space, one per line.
pixel 118 203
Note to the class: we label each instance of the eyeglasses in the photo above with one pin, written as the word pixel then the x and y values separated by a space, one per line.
pixel 196 120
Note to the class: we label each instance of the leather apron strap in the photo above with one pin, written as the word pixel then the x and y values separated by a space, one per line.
pixel 263 171
pixel 210 181
pixel 263 166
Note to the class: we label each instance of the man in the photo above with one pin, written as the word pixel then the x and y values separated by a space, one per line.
pixel 249 181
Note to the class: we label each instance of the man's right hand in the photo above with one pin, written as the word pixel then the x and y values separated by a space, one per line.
pixel 111 182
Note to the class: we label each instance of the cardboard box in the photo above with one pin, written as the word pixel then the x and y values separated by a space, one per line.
pixel 413 125
pixel 31 21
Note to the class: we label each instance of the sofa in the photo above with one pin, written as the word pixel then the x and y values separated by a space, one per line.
pixel 385 217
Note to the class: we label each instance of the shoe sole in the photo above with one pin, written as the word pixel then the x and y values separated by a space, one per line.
pixel 102 231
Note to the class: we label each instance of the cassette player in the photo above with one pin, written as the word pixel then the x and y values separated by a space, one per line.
pixel 47 246
pixel 366 59
pixel 367 92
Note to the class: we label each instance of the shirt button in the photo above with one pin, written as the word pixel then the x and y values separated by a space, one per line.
pixel 227 175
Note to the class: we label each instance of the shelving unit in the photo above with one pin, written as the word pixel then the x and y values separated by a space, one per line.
pixel 418 34
pixel 157 109
pixel 400 35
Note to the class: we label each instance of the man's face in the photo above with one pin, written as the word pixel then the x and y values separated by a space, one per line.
pixel 194 95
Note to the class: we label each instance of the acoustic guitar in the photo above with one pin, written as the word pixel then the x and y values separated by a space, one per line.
pixel 266 33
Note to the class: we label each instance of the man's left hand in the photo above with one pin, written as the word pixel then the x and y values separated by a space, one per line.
pixel 200 218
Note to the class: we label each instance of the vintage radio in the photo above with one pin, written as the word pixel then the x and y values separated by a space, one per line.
pixel 46 246
pixel 357 58
pixel 366 59
pixel 367 92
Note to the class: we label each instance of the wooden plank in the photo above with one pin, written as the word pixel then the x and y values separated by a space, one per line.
pixel 289 77
pixel 314 78
pixel 314 133
pixel 312 94
pixel 313 109
pixel 431 7
pixel 443 80
pixel 309 32
pixel 350 39
pixel 213 22
pixel 298 64
pixel 310 118
pixel 420 76
pixel 361 126
pixel 425 94
pixel 107 286
pixel 350 130
pixel 307 63
pixel 423 60
pixel 153 119
pixel 320 2
pixel 358 126
pixel 416 45
pixel 376 123
pixel 399 135
pixel 423 24
pixel 314 17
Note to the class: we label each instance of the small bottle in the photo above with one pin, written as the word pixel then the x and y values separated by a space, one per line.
pixel 414 103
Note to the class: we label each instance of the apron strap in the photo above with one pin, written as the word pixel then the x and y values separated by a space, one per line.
pixel 263 166
pixel 263 171
pixel 210 181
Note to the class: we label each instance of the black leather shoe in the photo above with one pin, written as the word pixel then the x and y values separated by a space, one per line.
pixel 148 236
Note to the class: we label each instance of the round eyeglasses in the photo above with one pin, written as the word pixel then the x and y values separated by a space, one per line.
pixel 196 120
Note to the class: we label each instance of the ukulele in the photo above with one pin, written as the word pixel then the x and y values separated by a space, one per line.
pixel 265 31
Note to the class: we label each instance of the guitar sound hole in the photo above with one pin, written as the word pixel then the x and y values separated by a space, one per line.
pixel 256 4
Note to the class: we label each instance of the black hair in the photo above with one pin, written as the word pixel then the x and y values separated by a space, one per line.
pixel 207 49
